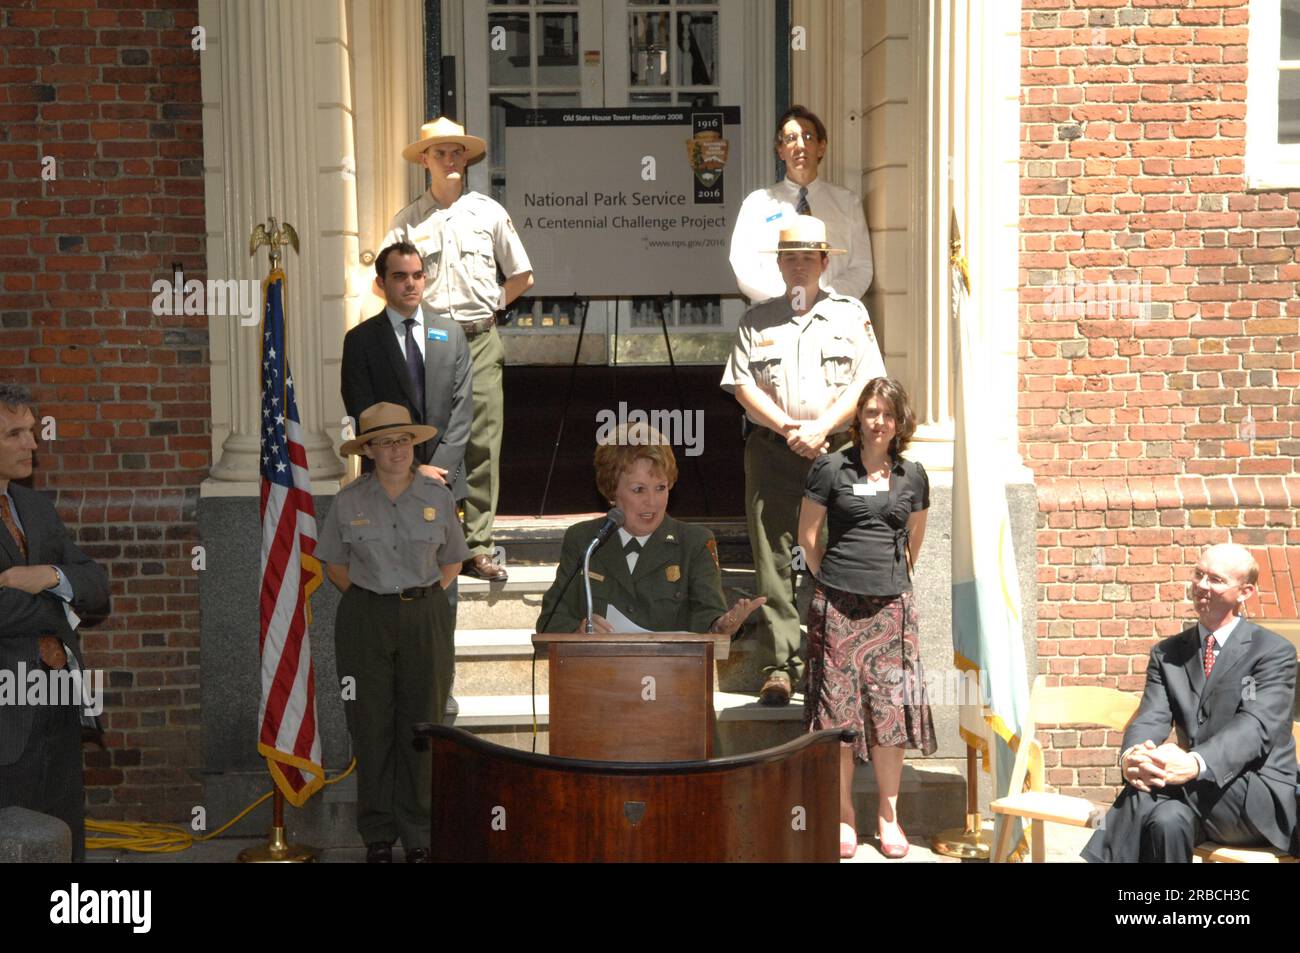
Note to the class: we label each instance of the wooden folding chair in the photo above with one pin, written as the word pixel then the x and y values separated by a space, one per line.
pixel 1213 853
pixel 1057 705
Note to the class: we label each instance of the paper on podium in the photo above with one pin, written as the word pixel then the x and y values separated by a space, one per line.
pixel 620 622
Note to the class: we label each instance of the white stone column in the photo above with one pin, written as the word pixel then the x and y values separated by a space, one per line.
pixel 277 129
pixel 989 100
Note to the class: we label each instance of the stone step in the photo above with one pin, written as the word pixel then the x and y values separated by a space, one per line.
pixel 497 662
pixel 931 798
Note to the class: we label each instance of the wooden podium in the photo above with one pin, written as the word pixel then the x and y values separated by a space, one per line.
pixel 645 696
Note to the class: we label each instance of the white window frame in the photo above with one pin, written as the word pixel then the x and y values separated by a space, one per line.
pixel 1270 165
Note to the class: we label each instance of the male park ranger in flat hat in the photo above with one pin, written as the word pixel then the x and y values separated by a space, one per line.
pixel 464 237
pixel 799 363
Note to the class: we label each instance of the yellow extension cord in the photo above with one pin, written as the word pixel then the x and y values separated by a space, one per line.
pixel 149 838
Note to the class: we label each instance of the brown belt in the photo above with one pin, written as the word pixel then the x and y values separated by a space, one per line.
pixel 474 328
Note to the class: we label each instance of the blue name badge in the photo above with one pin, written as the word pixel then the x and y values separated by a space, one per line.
pixel 773 218
pixel 436 334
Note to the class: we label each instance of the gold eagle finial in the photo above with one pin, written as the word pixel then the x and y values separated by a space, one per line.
pixel 273 235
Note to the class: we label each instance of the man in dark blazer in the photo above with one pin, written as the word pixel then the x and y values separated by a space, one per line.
pixel 46 585
pixel 1227 688
pixel 416 358
pixel 413 357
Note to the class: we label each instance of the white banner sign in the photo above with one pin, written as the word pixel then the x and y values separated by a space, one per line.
pixel 623 202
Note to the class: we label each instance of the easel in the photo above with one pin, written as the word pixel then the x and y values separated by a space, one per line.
pixel 585 304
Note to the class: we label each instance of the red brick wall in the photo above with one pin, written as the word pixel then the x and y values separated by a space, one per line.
pixel 1132 141
pixel 111 91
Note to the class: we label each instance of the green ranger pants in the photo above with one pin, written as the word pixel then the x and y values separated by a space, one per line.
pixel 774 484
pixel 400 655
pixel 483 453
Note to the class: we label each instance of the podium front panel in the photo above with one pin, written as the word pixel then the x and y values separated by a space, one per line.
pixel 631 701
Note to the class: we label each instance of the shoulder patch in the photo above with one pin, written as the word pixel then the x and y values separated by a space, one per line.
pixel 712 547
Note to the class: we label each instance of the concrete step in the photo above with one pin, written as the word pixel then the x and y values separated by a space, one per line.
pixel 931 798
pixel 497 662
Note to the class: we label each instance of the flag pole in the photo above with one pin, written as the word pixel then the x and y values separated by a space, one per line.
pixel 277 849
pixel 971 842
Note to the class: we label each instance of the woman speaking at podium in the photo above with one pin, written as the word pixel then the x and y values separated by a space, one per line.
pixel 654 573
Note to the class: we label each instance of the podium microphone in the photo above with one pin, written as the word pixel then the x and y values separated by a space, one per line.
pixel 613 520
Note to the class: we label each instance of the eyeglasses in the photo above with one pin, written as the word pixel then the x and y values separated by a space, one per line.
pixel 389 443
pixel 793 137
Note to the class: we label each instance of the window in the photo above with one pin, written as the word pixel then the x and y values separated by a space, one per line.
pixel 1273 96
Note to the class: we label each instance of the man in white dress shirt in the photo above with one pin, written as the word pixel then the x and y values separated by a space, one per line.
pixel 801 145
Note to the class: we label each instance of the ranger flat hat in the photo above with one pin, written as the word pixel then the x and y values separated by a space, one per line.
pixel 805 233
pixel 382 419
pixel 443 129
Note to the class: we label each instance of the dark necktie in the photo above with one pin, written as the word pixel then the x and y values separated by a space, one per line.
pixel 51 649
pixel 631 553
pixel 1209 655
pixel 415 365
pixel 801 207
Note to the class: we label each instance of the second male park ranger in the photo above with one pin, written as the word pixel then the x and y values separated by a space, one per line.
pixel 799 363
pixel 464 238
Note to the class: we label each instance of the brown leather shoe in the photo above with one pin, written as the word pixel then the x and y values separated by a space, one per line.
pixel 482 567
pixel 776 690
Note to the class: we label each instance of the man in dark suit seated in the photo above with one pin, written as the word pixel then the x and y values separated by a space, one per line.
pixel 46 585
pixel 1227 687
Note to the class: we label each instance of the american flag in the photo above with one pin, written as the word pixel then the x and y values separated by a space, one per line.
pixel 288 738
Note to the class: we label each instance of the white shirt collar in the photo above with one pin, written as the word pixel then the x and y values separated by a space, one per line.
pixel 1221 634
pixel 399 322
pixel 624 536
pixel 794 186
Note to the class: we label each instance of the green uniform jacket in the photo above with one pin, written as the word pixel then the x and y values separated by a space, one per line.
pixel 677 586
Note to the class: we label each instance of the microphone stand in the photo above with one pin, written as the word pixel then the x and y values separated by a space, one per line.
pixel 586 573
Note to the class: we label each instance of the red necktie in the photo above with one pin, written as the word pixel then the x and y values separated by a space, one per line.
pixel 1209 655
pixel 51 649
pixel 7 517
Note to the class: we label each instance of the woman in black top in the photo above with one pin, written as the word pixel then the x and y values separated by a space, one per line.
pixel 864 664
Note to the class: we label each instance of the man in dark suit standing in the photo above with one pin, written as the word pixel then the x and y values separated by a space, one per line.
pixel 410 356
pixel 46 585
pixel 414 357
pixel 1227 687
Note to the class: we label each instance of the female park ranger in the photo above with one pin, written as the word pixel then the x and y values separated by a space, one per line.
pixel 392 544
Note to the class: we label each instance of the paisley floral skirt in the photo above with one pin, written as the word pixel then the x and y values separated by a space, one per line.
pixel 864 671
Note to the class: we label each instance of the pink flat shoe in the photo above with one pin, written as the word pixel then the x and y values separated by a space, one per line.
pixel 895 851
pixel 848 841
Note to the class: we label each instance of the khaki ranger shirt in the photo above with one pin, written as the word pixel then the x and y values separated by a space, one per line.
pixel 391 545
pixel 462 247
pixel 804 362
pixel 676 586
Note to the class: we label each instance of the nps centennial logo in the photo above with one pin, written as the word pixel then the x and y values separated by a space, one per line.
pixel 706 151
